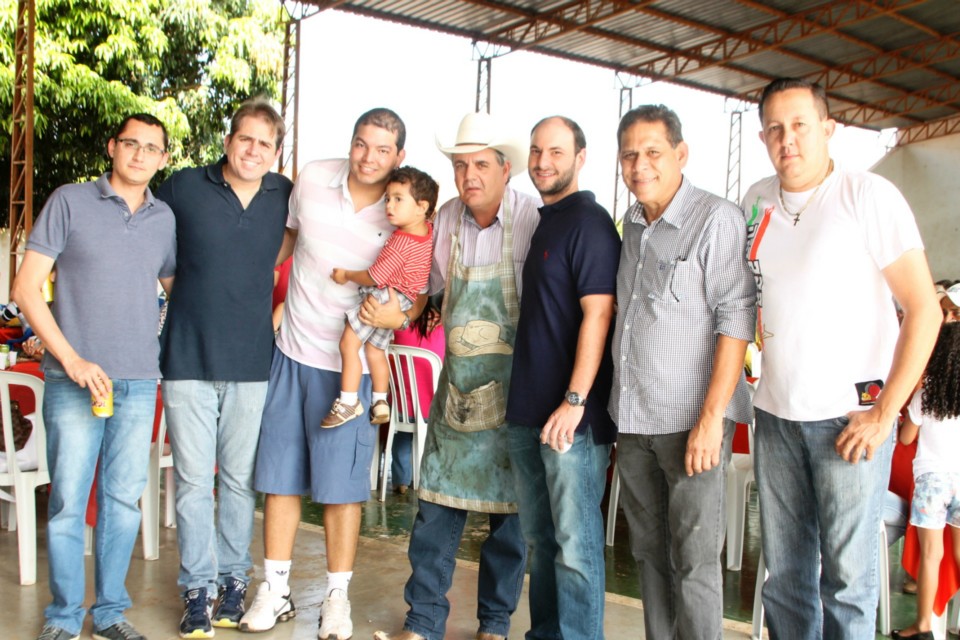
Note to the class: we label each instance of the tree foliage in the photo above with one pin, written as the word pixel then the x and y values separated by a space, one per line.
pixel 188 62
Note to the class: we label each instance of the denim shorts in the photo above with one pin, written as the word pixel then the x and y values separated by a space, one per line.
pixel 936 501
pixel 296 456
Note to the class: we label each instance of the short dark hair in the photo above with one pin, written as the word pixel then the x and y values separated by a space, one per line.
pixel 422 186
pixel 785 84
pixel 652 113
pixel 385 119
pixel 579 139
pixel 259 108
pixel 145 118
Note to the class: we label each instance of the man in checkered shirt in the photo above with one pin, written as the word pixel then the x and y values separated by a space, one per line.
pixel 686 312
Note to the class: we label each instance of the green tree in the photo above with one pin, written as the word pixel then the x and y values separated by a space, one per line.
pixel 188 62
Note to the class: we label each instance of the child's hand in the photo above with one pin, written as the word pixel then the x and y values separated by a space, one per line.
pixel 339 276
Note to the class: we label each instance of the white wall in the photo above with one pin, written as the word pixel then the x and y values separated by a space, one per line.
pixel 928 174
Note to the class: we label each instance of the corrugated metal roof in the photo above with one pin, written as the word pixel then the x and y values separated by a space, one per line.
pixel 884 63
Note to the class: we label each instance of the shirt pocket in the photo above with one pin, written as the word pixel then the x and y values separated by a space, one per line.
pixel 679 283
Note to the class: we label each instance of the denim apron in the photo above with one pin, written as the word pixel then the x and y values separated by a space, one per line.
pixel 465 463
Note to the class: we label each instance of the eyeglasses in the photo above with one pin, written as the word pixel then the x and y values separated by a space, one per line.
pixel 133 146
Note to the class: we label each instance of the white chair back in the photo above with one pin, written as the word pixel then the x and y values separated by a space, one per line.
pixel 405 411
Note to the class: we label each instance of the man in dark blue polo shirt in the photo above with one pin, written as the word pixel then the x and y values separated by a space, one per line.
pixel 560 431
pixel 217 344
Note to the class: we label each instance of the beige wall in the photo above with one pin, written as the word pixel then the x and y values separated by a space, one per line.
pixel 928 174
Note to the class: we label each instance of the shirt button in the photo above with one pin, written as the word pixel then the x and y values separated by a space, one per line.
pixel 633 297
pixel 624 358
pixel 626 327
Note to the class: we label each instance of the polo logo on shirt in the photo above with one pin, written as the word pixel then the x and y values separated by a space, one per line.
pixel 868 392
pixel 546 254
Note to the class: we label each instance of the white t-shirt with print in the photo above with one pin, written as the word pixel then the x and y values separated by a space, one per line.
pixel 827 314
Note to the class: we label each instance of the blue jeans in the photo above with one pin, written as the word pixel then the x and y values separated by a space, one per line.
pixel 677 525
pixel 559 496
pixel 820 523
pixel 75 440
pixel 214 429
pixel 401 466
pixel 433 548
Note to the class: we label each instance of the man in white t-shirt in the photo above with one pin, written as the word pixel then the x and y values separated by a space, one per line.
pixel 337 219
pixel 828 247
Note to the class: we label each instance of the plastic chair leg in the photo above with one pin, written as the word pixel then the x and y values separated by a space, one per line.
pixel 27 534
pixel 387 460
pixel 169 499
pixel 88 535
pixel 757 632
pixel 150 510
pixel 375 463
pixel 613 505
pixel 884 573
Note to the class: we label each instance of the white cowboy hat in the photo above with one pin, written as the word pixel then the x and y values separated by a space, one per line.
pixel 479 131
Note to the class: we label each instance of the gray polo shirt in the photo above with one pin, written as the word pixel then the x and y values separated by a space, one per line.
pixel 107 261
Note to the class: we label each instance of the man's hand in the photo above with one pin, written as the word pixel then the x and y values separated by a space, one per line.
pixel 561 425
pixel 90 376
pixel 703 445
pixel 382 316
pixel 339 276
pixel 866 432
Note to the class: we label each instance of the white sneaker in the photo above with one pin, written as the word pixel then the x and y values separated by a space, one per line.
pixel 267 610
pixel 335 623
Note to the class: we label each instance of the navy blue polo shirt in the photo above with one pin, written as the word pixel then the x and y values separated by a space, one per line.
pixel 575 252
pixel 219 323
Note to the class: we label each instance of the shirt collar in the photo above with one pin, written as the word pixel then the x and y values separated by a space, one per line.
pixel 107 191
pixel 676 211
pixel 574 199
pixel 498 219
pixel 269 182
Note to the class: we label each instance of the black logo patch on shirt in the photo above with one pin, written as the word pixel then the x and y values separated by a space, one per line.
pixel 867 392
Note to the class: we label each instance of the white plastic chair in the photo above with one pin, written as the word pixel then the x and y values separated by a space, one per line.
pixel 24 481
pixel 740 477
pixel 405 413
pixel 161 458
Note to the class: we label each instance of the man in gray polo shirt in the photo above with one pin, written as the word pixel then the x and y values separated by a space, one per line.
pixel 111 241
pixel 686 311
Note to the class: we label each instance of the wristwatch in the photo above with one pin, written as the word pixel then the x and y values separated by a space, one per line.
pixel 575 399
pixel 406 322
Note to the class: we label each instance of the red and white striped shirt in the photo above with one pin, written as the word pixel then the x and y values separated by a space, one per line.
pixel 404 262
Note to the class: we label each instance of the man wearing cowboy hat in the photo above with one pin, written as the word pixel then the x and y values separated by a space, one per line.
pixel 482 241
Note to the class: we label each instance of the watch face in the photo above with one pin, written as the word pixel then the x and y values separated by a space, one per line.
pixel 574 398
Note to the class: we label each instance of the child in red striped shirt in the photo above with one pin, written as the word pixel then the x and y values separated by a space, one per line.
pixel 403 264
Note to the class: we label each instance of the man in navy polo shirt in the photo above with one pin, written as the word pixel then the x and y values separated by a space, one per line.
pixel 217 344
pixel 560 431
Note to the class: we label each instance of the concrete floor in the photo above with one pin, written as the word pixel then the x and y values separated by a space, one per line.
pixel 376 592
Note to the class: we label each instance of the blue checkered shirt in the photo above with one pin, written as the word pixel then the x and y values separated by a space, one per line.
pixel 682 281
